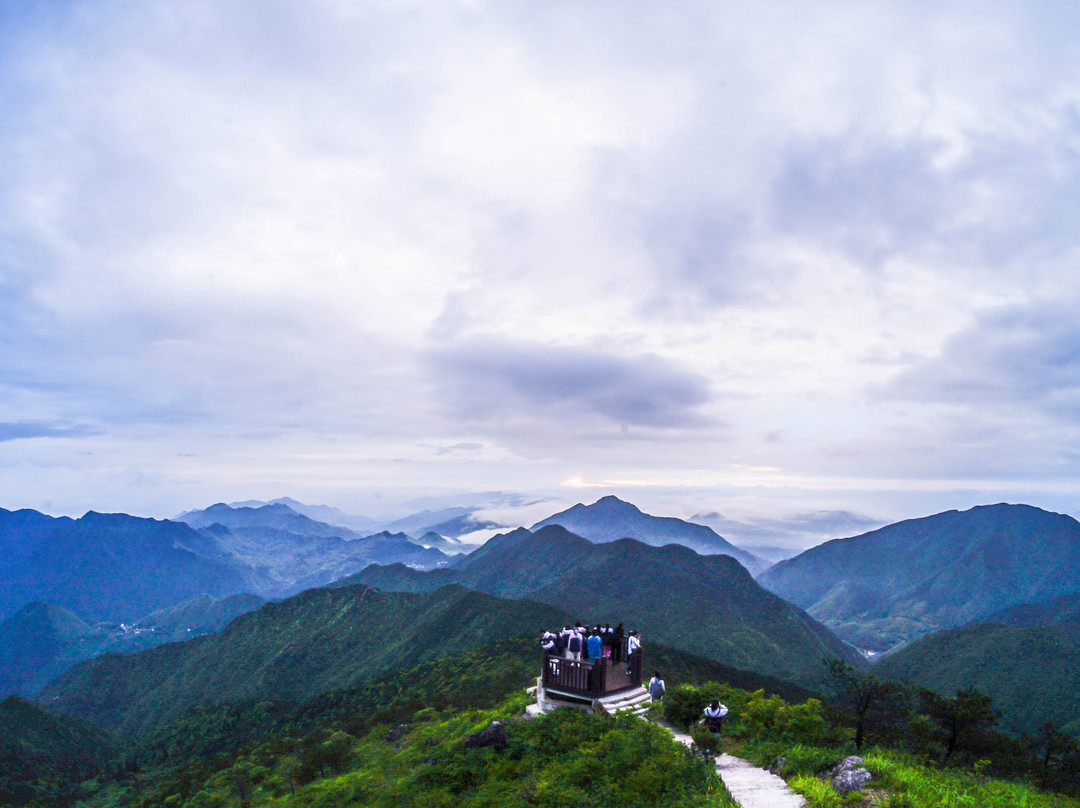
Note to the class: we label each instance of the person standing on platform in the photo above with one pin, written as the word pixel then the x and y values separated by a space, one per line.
pixel 633 648
pixel 573 646
pixel 617 647
pixel 595 647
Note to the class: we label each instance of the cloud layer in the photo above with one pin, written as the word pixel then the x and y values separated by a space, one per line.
pixel 331 250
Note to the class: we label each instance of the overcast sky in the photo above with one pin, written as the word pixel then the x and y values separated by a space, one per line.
pixel 794 268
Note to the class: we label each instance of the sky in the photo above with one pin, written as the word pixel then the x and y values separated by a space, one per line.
pixel 791 269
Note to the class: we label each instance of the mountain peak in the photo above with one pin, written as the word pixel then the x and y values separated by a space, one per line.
pixel 610 518
pixel 612 502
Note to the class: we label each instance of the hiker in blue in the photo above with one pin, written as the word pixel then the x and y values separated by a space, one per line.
pixel 595 645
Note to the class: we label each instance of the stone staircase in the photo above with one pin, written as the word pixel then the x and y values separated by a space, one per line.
pixel 635 701
pixel 748 785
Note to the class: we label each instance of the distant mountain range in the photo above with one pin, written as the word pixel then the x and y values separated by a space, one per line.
pixel 119 568
pixel 276 516
pixel 89 575
pixel 610 518
pixel 292 552
pixel 113 567
pixel 709 605
pixel 916 577
pixel 425 526
pixel 320 513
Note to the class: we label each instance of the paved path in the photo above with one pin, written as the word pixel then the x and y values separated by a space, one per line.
pixel 748 785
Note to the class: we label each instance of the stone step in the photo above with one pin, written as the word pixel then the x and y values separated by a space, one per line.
pixel 636 700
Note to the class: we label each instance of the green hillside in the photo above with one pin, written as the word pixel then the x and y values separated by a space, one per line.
pixel 320 640
pixel 44 756
pixel 41 641
pixel 1032 674
pixel 1062 613
pixel 709 605
pixel 920 576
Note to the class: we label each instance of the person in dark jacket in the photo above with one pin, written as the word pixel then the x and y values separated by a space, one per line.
pixel 617 647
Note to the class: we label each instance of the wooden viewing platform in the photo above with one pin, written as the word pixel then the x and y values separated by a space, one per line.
pixel 589 679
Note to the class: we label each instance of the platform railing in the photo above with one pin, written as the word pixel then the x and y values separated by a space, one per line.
pixel 582 677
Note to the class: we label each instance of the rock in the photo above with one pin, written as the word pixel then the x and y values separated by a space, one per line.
pixel 846 764
pixel 397 733
pixel 493 735
pixel 848 775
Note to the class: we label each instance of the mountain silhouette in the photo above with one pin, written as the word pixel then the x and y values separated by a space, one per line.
pixel 610 518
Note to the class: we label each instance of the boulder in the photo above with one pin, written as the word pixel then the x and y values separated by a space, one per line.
pixel 397 733
pixel 493 735
pixel 848 775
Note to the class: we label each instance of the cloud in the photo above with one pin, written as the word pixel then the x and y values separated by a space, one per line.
pixel 23 430
pixel 1015 359
pixel 796 530
pixel 329 247
pixel 572 387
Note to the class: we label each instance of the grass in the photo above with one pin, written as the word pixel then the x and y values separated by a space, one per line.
pixel 900 782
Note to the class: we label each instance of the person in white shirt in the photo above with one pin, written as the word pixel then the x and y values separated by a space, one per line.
pixel 714 717
pixel 633 647
pixel 573 645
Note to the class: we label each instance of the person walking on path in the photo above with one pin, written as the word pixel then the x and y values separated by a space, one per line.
pixel 656 687
pixel 714 717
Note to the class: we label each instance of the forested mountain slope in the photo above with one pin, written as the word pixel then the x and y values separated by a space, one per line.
pixel 916 577
pixel 316 641
pixel 709 605
pixel 1032 674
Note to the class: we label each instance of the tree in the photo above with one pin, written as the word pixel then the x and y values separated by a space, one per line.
pixel 879 709
pixel 965 720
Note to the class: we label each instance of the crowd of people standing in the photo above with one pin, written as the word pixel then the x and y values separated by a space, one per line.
pixel 578 642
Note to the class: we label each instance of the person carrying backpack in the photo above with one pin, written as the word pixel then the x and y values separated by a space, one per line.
pixel 714 717
pixel 573 646
pixel 547 642
pixel 656 687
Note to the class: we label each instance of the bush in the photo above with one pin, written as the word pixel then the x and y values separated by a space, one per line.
pixel 774 718
pixel 683 705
